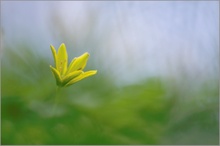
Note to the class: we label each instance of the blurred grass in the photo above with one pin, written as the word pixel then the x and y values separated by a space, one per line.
pixel 95 111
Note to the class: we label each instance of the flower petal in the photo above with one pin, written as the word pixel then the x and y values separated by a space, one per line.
pixel 78 63
pixel 57 76
pixel 81 76
pixel 70 76
pixel 54 54
pixel 62 59
pixel 68 69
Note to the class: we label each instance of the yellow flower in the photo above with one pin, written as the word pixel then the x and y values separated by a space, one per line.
pixel 67 75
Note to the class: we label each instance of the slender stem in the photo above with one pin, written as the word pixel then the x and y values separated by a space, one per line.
pixel 56 100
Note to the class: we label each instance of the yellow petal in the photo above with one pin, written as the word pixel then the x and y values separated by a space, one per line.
pixel 71 64
pixel 54 54
pixel 81 76
pixel 79 63
pixel 57 76
pixel 62 59
pixel 70 76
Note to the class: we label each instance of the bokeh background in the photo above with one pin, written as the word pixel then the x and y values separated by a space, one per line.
pixel 157 81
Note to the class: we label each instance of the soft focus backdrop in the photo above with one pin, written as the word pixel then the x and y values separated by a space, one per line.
pixel 157 81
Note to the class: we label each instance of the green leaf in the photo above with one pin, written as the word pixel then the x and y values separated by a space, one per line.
pixel 62 59
pixel 56 75
pixel 81 76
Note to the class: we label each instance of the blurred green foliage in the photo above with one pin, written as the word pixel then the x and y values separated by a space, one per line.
pixel 96 111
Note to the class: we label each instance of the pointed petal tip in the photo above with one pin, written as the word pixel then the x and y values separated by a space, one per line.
pixel 52 47
pixel 90 72
pixel 94 71
pixel 63 45
pixel 86 54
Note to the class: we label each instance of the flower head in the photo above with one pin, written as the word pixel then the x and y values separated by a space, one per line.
pixel 67 75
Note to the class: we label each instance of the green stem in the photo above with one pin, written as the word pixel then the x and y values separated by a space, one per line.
pixel 56 100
